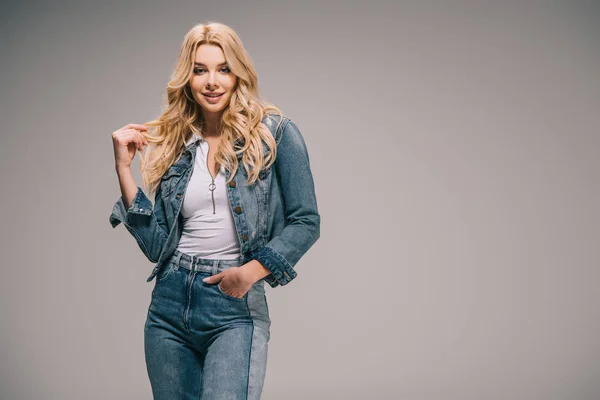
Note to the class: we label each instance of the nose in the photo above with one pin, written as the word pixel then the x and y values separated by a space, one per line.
pixel 212 81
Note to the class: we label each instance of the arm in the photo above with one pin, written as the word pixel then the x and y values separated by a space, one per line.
pixel 302 229
pixel 147 224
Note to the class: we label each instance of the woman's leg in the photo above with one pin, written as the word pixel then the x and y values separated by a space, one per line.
pixel 235 364
pixel 235 360
pixel 174 369
pixel 174 366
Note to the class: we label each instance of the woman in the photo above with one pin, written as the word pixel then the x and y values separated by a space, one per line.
pixel 234 207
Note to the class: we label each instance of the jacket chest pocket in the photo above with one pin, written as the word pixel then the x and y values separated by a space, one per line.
pixel 170 179
pixel 264 174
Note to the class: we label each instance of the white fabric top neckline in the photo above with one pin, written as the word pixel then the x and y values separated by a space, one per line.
pixel 207 234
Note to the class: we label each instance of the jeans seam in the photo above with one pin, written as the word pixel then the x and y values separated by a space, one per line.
pixel 250 352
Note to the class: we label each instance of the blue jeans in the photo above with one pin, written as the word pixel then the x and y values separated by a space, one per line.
pixel 200 342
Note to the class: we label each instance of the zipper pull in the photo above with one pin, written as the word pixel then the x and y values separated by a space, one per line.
pixel 212 187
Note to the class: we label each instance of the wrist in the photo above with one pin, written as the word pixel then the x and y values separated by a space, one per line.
pixel 122 169
pixel 255 270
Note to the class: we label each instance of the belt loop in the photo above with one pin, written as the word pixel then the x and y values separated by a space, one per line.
pixel 215 267
pixel 177 260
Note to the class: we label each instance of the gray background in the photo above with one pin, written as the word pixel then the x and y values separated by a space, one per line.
pixel 454 147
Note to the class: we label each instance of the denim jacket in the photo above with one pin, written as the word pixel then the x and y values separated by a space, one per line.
pixel 276 218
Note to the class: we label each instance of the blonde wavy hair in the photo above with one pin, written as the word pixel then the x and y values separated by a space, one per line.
pixel 242 130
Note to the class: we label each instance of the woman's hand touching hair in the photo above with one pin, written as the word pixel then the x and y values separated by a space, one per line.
pixel 126 141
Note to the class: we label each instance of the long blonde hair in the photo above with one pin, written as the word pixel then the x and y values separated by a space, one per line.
pixel 242 130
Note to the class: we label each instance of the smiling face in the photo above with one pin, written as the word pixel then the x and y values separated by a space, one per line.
pixel 212 77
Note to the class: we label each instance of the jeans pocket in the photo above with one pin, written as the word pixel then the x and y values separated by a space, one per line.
pixel 228 296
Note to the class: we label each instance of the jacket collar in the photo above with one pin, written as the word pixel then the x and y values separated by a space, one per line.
pixel 193 139
pixel 197 138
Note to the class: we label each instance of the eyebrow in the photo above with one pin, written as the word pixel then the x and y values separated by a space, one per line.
pixel 197 63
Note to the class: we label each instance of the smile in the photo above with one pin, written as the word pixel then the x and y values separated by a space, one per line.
pixel 213 99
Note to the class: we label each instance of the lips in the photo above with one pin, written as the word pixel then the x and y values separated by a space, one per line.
pixel 212 99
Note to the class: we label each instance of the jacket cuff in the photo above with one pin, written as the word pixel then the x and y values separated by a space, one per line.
pixel 140 205
pixel 281 270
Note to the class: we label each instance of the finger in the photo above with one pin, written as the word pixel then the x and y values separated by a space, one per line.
pixel 143 139
pixel 137 126
pixel 133 137
pixel 128 134
pixel 137 139
pixel 214 278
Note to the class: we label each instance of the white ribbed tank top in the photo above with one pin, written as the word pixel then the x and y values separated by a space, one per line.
pixel 207 234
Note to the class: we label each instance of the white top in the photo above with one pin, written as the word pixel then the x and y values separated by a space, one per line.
pixel 208 226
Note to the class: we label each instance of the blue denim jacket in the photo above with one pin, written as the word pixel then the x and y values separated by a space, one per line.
pixel 276 218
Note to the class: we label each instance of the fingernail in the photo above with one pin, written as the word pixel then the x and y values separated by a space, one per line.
pixel 206 279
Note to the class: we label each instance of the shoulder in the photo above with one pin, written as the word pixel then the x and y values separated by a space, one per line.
pixel 276 124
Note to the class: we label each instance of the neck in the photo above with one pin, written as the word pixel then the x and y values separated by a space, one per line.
pixel 212 124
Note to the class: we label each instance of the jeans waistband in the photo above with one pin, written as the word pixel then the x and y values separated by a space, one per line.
pixel 195 263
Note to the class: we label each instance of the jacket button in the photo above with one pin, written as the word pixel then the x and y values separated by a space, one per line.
pixel 232 184
pixel 244 237
pixel 238 209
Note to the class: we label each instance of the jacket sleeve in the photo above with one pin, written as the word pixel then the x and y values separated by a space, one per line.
pixel 302 228
pixel 146 223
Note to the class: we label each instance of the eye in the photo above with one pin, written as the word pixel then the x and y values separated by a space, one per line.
pixel 198 70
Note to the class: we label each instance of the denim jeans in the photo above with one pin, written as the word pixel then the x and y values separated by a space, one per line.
pixel 200 342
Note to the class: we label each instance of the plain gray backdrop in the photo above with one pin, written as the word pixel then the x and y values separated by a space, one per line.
pixel 454 147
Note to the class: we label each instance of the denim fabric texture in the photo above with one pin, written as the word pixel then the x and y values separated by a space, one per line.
pixel 200 342
pixel 276 218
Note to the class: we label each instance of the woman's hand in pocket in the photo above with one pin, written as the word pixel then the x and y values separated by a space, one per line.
pixel 234 281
